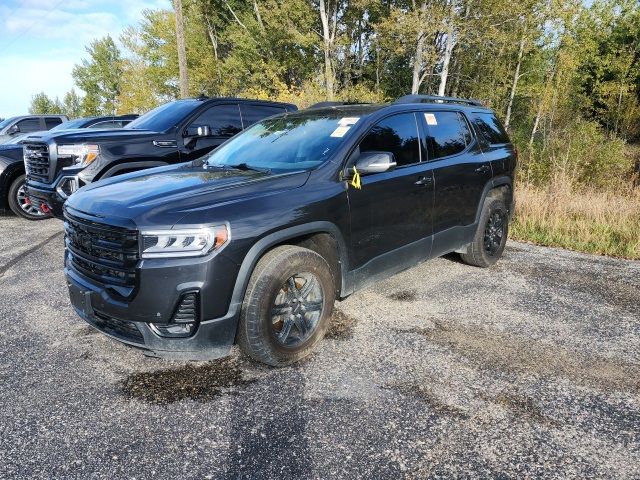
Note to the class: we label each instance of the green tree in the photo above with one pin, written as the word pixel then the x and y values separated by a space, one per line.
pixel 72 104
pixel 41 104
pixel 99 77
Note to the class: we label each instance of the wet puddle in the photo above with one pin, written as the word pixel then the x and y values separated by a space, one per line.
pixel 197 382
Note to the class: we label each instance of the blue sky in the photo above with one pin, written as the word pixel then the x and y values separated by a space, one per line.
pixel 41 40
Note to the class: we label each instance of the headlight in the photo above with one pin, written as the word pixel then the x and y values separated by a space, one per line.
pixel 183 243
pixel 80 154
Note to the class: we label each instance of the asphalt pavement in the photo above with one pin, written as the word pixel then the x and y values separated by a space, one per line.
pixel 527 369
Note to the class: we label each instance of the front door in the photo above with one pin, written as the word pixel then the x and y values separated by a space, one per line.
pixel 223 121
pixel 392 209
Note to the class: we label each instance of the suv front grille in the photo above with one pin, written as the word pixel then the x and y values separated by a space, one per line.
pixel 102 252
pixel 36 156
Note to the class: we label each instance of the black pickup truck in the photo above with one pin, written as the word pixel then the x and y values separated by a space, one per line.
pixel 57 164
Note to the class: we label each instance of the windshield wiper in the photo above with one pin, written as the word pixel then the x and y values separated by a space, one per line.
pixel 244 166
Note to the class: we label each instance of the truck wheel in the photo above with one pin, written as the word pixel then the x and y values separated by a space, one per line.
pixel 287 306
pixel 491 236
pixel 18 202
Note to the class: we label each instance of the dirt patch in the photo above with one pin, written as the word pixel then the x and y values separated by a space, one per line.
pixel 201 383
pixel 523 407
pixel 85 332
pixel 404 296
pixel 509 353
pixel 430 398
pixel 604 285
pixel 341 326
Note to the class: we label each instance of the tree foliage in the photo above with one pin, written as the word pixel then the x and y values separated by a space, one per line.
pixel 557 71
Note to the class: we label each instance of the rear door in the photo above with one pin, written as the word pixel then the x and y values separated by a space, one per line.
pixel 223 121
pixel 460 171
pixel 253 112
pixel 392 209
pixel 496 146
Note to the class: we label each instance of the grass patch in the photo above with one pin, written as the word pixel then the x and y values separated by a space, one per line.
pixel 600 222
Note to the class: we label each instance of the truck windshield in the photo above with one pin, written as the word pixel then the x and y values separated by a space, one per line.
pixel 6 122
pixel 77 123
pixel 165 116
pixel 292 142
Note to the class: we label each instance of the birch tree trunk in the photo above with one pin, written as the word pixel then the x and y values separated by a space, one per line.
pixel 419 53
pixel 327 37
pixel 182 51
pixel 448 49
pixel 516 77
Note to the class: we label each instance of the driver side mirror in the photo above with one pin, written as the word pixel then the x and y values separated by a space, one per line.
pixel 375 162
pixel 204 131
pixel 13 130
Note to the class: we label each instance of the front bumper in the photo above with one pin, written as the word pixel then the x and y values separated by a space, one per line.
pixel 155 299
pixel 40 196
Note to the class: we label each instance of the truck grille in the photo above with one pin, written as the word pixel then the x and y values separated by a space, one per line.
pixel 102 252
pixel 36 156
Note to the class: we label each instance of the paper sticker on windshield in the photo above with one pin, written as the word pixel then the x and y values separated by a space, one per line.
pixel 348 121
pixel 430 118
pixel 340 131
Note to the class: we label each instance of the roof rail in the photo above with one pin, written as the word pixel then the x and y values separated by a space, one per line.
pixel 436 99
pixel 334 104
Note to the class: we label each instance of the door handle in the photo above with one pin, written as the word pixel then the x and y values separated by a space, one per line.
pixel 483 169
pixel 423 181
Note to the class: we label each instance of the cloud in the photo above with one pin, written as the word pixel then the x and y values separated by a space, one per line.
pixel 41 40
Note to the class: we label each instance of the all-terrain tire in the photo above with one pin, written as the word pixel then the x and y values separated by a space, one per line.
pixel 485 249
pixel 16 190
pixel 256 335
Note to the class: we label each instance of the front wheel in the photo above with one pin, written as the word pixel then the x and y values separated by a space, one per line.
pixel 287 306
pixel 491 236
pixel 20 204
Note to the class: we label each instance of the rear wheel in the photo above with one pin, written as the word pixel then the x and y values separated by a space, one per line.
pixel 491 236
pixel 287 306
pixel 20 204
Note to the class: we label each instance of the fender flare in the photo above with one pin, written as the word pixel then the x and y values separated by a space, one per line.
pixel 490 185
pixel 130 165
pixel 265 243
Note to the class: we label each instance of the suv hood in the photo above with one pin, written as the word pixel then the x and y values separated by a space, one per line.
pixel 87 135
pixel 160 197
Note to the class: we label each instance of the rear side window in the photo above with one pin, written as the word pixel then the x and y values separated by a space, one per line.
pixel 52 122
pixel 490 128
pixel 223 120
pixel 449 132
pixel 397 134
pixel 254 113
pixel 29 125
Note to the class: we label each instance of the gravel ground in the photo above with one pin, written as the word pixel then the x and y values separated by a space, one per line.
pixel 528 369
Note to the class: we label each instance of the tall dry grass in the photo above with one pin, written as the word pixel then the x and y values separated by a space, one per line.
pixel 594 221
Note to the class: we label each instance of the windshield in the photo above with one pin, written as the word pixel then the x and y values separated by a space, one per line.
pixel 286 143
pixel 77 123
pixel 165 116
pixel 6 122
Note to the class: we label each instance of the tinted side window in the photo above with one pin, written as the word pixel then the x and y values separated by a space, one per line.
pixel 107 124
pixel 448 133
pixel 254 113
pixel 29 125
pixel 52 122
pixel 490 128
pixel 223 120
pixel 397 134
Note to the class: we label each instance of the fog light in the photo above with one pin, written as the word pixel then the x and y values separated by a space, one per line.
pixel 67 186
pixel 184 321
